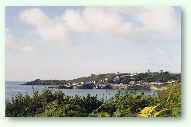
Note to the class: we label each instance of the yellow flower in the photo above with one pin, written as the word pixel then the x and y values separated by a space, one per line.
pixel 148 112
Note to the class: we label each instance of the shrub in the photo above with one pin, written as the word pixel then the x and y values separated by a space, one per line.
pixel 56 104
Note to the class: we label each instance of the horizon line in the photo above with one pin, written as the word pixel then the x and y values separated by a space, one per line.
pixel 90 75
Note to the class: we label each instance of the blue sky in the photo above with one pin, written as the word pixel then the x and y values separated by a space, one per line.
pixel 70 42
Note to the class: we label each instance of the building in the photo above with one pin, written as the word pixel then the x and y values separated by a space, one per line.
pixel 92 74
pixel 132 82
pixel 120 86
pixel 161 71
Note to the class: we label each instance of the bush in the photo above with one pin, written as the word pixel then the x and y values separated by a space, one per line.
pixel 56 104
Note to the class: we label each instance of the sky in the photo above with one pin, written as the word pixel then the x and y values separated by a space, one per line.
pixel 69 42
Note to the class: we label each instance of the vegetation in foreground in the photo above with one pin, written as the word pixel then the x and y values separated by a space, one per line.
pixel 56 104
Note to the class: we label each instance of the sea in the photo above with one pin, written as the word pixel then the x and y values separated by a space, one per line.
pixel 13 88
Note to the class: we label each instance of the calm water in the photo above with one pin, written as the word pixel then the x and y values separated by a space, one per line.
pixel 14 87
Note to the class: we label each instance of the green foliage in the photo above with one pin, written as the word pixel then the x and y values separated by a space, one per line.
pixel 56 104
pixel 54 109
pixel 171 99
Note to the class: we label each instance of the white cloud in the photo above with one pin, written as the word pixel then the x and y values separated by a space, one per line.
pixel 13 42
pixel 159 22
pixel 48 29
pixel 156 23
pixel 29 49
pixel 163 53
pixel 101 22
pixel 124 24
pixel 74 21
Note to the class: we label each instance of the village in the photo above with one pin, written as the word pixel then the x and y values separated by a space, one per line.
pixel 147 80
pixel 105 84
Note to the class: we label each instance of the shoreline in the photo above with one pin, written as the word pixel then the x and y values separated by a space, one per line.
pixel 57 87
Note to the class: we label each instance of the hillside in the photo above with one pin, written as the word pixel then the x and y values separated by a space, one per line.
pixel 125 78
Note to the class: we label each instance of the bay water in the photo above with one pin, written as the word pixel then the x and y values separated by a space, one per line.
pixel 13 88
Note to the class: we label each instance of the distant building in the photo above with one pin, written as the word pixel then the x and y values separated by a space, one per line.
pixel 139 83
pixel 161 71
pixel 120 86
pixel 160 83
pixel 154 83
pixel 132 82
pixel 168 82
pixel 74 84
pixel 117 73
pixel 133 74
